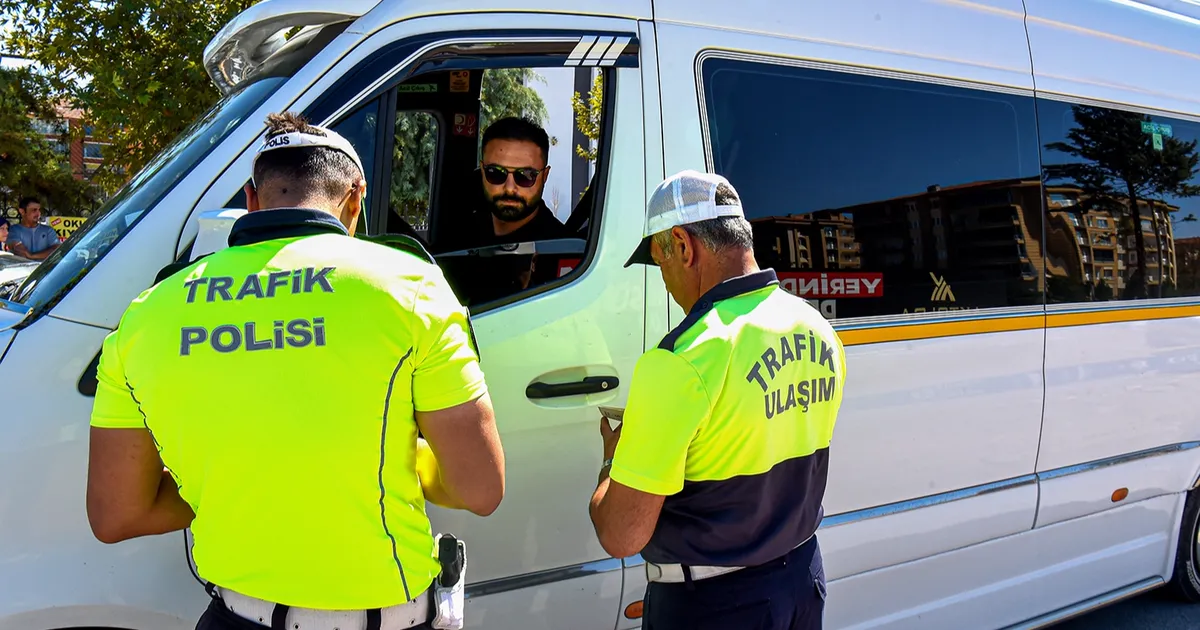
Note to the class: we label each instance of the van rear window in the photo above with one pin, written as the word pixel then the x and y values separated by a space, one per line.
pixel 875 196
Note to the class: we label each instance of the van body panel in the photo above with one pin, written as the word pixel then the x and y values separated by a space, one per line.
pixel 982 41
pixel 585 601
pixel 976 455
pixel 49 558
pixel 919 417
pixel 1114 386
pixel 1136 53
pixel 96 617
pixel 387 13
pixel 1008 580
pixel 970 416
pixel 1131 377
pixel 1070 493
pixel 658 302
pixel 865 542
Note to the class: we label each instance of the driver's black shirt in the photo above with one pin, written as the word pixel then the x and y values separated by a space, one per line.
pixel 478 230
pixel 498 275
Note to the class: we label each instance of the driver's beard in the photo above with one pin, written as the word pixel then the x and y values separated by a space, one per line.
pixel 512 214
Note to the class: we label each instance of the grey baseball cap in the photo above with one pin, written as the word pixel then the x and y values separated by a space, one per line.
pixel 686 197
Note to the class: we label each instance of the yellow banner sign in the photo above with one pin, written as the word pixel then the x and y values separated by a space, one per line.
pixel 65 225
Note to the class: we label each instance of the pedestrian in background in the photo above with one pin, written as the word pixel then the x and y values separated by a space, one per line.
pixel 30 238
pixel 288 421
pixel 717 473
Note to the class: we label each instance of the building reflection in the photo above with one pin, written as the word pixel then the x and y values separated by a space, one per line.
pixel 986 236
pixel 820 240
pixel 1095 247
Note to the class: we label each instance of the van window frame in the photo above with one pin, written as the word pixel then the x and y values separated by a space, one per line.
pixel 382 207
pixel 393 64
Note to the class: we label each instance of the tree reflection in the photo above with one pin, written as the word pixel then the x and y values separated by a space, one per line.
pixel 1124 162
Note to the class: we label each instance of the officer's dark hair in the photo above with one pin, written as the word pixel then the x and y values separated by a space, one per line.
pixel 309 171
pixel 717 234
pixel 25 201
pixel 521 129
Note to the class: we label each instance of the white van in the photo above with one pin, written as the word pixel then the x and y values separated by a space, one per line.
pixel 992 199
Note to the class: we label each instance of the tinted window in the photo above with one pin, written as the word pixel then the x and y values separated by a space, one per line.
pixel 1100 246
pixel 879 196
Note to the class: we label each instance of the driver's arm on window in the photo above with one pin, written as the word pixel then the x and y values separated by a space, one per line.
pixel 129 491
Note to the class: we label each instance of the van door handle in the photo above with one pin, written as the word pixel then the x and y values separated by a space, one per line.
pixel 589 385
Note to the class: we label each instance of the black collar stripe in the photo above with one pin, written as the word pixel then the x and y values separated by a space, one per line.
pixel 731 288
pixel 266 225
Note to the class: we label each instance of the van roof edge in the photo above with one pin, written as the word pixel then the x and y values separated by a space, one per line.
pixel 257 32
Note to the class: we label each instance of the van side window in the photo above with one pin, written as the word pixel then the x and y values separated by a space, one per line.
pixel 410 190
pixel 875 196
pixel 1100 245
pixel 499 236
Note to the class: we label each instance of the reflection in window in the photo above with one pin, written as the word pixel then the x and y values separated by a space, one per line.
pixel 359 129
pixel 412 171
pixel 882 161
pixel 1136 178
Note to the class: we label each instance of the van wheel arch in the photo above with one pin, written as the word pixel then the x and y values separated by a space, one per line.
pixel 1185 579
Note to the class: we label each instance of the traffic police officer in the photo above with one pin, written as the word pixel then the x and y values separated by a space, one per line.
pixel 270 396
pixel 720 473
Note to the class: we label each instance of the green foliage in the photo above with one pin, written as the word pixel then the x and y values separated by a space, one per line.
pixel 29 165
pixel 133 65
pixel 503 93
pixel 413 155
pixel 1120 166
pixel 589 116
pixel 507 93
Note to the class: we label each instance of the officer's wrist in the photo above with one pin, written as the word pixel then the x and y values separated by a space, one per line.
pixel 604 468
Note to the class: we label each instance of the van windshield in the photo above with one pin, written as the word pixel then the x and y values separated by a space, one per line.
pixel 77 256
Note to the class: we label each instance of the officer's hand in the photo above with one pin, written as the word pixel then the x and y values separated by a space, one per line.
pixel 610 436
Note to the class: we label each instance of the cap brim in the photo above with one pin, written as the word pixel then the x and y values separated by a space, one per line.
pixel 641 255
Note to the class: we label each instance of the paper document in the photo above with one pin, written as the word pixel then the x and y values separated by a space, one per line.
pixel 614 416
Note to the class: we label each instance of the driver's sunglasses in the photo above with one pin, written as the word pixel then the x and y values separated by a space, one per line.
pixel 498 175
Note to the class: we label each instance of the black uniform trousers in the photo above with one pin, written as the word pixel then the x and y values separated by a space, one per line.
pixel 787 593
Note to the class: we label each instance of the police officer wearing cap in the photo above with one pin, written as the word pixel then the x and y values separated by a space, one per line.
pixel 717 472
pixel 296 399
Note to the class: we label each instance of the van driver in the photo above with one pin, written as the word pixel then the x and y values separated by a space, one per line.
pixel 513 171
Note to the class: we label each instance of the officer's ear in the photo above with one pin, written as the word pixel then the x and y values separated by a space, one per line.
pixel 685 246
pixel 252 203
pixel 351 210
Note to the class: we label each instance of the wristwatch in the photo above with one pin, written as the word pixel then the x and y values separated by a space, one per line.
pixel 607 463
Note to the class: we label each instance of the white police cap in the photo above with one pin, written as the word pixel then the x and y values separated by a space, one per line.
pixel 298 139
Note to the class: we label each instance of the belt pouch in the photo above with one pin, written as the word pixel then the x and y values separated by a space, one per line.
pixel 448 587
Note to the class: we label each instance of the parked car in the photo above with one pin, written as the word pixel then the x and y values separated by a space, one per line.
pixel 13 271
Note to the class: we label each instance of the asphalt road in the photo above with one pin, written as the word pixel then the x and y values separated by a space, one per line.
pixel 1152 611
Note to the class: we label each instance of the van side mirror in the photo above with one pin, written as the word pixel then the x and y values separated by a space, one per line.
pixel 212 234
